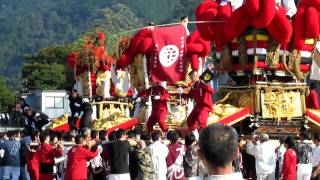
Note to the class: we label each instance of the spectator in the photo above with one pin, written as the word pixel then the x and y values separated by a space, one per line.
pixel 47 153
pixel 133 161
pixel 144 162
pixel 191 160
pixel 146 137
pixel 264 154
pixel 316 157
pixel 11 160
pixel 175 157
pixel 290 160
pixel 77 159
pixel 280 155
pixel 32 156
pixel 96 163
pixel 218 148
pixel 25 141
pixel 119 151
pixel 159 153
pixel 304 151
pixel 103 136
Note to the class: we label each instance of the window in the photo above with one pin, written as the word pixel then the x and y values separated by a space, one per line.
pixel 54 102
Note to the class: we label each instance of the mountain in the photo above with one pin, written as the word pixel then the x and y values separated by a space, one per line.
pixel 29 25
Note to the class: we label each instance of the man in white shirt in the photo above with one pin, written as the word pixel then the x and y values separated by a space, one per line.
pixel 218 148
pixel 159 153
pixel 265 157
pixel 316 156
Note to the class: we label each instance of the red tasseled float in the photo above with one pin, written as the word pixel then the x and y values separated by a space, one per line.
pixel 280 27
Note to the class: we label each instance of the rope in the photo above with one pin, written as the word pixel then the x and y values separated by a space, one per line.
pixel 170 24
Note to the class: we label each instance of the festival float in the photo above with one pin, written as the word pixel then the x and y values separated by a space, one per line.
pixel 266 55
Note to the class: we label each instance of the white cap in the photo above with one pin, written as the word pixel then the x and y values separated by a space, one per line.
pixel 85 100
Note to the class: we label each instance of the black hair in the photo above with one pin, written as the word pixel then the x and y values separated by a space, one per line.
pixel 93 134
pixel 43 136
pixel 145 136
pixel 78 139
pixel 183 17
pixel 173 136
pixel 313 85
pixel 218 144
pixel 290 141
pixel 120 133
pixel 131 134
pixel 102 135
pixel 282 139
pixel 138 129
pixel 189 139
pixel 34 134
pixel 156 135
pixel 112 136
pixel 191 73
pixel 305 135
pixel 316 136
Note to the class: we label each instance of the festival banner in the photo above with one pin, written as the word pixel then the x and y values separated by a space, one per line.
pixel 169 58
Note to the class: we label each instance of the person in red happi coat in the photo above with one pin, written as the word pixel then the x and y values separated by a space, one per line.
pixel 290 160
pixel 313 97
pixel 174 159
pixel 202 95
pixel 32 156
pixel 159 96
pixel 46 155
pixel 77 159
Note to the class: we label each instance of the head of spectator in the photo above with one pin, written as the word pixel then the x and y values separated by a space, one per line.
pixel 103 135
pixel 145 136
pixel 290 142
pixel 173 136
pixel 86 134
pixel 194 76
pixel 70 137
pixel 79 140
pixel 53 138
pixel 305 135
pixel 94 135
pixel 184 20
pixel 264 137
pixel 282 139
pixel 316 138
pixel 4 136
pixel 14 135
pixel 218 148
pixel 141 144
pixel 112 136
pixel 131 135
pixel 121 135
pixel 190 140
pixel 35 136
pixel 156 135
pixel 138 130
pixel 44 137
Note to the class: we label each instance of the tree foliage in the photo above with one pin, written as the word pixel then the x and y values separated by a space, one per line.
pixel 6 95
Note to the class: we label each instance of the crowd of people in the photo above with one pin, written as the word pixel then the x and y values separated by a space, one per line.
pixel 219 153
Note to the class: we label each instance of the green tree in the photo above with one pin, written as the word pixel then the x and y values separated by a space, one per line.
pixel 45 76
pixel 6 95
